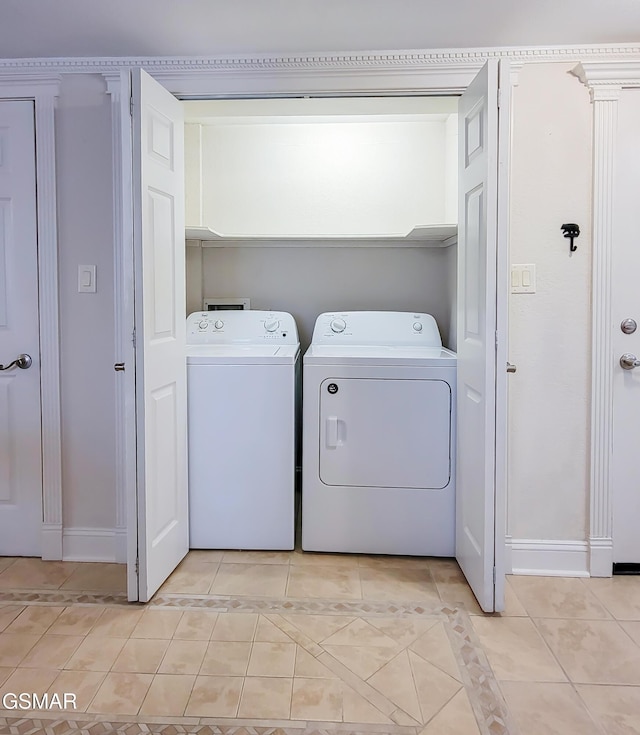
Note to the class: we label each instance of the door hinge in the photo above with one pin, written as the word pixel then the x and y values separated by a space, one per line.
pixel 133 338
pixel 138 565
pixel 496 345
pixel 494 574
pixel 131 104
pixel 499 98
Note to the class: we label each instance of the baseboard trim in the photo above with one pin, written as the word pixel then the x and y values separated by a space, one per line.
pixel 51 541
pixel 89 544
pixel 601 557
pixel 548 558
pixel 120 545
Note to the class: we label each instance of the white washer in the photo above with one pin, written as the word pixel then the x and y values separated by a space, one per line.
pixel 241 381
pixel 378 451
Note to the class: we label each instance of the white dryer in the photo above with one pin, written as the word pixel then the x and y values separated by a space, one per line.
pixel 241 391
pixel 378 457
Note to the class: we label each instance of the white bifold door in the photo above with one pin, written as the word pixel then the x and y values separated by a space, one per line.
pixel 483 115
pixel 161 381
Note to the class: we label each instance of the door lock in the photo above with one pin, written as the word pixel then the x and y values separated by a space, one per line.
pixel 629 326
pixel 629 361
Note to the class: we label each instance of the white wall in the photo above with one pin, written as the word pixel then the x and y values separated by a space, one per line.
pixel 451 169
pixel 343 177
pixel 550 330
pixel 193 174
pixel 83 160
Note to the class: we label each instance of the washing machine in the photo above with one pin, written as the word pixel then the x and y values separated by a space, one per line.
pixel 241 399
pixel 378 447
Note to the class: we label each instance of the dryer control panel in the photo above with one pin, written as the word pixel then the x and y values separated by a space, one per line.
pixel 401 328
pixel 241 326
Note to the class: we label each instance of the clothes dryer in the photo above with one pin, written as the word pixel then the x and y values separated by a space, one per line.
pixel 241 397
pixel 378 462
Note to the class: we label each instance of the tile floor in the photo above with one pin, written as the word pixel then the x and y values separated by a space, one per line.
pixel 313 642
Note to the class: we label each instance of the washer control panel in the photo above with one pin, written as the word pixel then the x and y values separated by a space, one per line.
pixel 241 326
pixel 377 328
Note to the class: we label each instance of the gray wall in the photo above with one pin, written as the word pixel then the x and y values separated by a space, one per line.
pixel 84 182
pixel 307 281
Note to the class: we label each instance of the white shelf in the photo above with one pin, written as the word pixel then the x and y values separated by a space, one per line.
pixel 434 236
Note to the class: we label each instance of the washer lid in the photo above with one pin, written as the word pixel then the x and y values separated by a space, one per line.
pixel 241 354
pixel 379 355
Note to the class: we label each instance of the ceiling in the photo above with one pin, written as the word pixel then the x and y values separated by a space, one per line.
pixel 44 28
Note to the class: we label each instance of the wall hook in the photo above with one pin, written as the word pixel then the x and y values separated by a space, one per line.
pixel 571 231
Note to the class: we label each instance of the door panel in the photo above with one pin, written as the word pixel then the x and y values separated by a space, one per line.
pixel 20 410
pixel 625 304
pixel 385 433
pixel 158 154
pixel 476 530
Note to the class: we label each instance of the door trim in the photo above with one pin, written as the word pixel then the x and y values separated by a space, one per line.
pixel 119 90
pixel 43 91
pixel 410 73
pixel 605 82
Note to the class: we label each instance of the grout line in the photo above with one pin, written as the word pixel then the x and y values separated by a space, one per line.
pixel 373 696
pixel 451 698
pixel 415 683
pixel 555 657
pixel 296 635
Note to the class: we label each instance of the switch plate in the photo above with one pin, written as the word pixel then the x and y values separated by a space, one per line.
pixel 86 279
pixel 523 278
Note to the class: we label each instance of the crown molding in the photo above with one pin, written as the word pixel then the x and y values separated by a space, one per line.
pixel 446 71
pixel 600 74
pixel 375 60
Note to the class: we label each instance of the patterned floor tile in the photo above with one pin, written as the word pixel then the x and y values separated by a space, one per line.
pixel 283 656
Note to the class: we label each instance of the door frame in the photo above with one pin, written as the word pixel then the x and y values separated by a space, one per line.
pixel 382 74
pixel 126 544
pixel 43 90
pixel 606 82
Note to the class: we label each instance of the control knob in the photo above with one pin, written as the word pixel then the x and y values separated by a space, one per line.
pixel 203 324
pixel 218 324
pixel 271 325
pixel 417 327
pixel 338 325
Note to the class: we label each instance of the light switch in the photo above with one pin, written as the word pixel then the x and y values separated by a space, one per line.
pixel 86 279
pixel 523 278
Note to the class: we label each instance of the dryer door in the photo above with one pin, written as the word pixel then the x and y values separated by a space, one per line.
pixel 385 433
